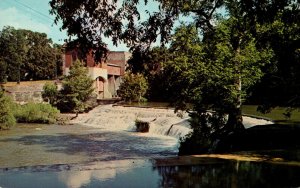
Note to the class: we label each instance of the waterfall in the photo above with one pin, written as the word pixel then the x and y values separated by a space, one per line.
pixel 118 118
pixel 164 126
pixel 162 121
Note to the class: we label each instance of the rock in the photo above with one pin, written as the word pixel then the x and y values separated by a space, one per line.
pixel 142 126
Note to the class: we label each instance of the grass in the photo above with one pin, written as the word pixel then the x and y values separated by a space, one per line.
pixel 277 114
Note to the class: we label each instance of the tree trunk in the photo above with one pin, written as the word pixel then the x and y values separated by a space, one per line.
pixel 235 118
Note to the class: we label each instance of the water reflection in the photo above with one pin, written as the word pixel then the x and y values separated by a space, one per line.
pixel 123 173
pixel 99 172
pixel 76 179
pixel 230 174
pixel 144 173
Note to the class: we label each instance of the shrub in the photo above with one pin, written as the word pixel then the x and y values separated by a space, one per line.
pixel 133 88
pixel 6 116
pixel 207 130
pixel 50 93
pixel 36 113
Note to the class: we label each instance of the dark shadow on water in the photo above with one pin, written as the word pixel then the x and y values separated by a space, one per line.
pixel 267 137
pixel 287 121
pixel 230 174
pixel 104 145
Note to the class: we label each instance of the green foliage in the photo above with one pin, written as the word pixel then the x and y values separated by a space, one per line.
pixel 50 93
pixel 213 72
pixel 133 87
pixel 3 67
pixel 28 55
pixel 149 63
pixel 77 89
pixel 36 113
pixel 280 85
pixel 235 58
pixel 207 128
pixel 7 118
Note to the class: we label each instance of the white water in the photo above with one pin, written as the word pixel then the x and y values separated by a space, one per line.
pixel 162 121
pixel 118 118
pixel 250 122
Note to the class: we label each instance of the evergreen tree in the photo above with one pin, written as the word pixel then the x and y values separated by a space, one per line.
pixel 77 88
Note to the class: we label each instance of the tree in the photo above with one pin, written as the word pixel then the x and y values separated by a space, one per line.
pixel 236 48
pixel 28 55
pixel 3 67
pixel 7 118
pixel 149 63
pixel 41 57
pixel 239 61
pixel 280 85
pixel 90 20
pixel 133 87
pixel 213 75
pixel 13 53
pixel 76 90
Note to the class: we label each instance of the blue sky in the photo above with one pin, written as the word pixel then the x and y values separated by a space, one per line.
pixel 30 14
pixel 34 15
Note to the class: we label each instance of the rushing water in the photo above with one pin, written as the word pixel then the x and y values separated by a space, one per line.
pixel 162 121
pixel 102 150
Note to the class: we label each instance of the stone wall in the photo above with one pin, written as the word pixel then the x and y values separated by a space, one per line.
pixel 25 91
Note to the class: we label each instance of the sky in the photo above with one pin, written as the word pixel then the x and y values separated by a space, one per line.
pixel 34 15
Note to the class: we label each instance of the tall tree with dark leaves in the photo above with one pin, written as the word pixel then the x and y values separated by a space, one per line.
pixel 28 55
pixel 90 20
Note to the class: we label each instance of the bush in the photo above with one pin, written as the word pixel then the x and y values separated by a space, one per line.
pixel 207 130
pixel 50 93
pixel 133 88
pixel 36 113
pixel 7 118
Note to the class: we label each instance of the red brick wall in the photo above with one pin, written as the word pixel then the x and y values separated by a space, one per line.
pixel 68 59
pixel 90 60
pixel 111 70
pixel 116 58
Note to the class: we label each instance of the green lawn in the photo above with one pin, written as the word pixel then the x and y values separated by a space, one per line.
pixel 276 114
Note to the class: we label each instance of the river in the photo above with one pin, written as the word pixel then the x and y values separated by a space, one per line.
pixel 101 149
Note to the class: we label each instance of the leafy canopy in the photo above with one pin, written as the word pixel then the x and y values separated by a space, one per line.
pixel 28 55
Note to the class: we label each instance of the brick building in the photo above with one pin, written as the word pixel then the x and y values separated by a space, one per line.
pixel 107 74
